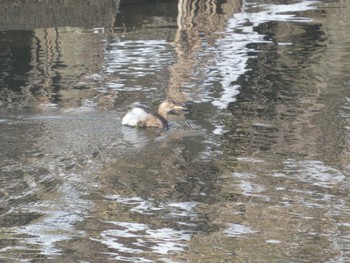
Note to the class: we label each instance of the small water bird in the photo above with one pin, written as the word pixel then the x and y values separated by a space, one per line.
pixel 143 116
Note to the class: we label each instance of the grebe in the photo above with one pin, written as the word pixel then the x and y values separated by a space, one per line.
pixel 143 116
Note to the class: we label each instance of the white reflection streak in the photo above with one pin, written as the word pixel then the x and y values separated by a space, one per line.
pixel 237 230
pixel 138 58
pixel 147 207
pixel 57 226
pixel 57 222
pixel 314 172
pixel 137 238
pixel 232 49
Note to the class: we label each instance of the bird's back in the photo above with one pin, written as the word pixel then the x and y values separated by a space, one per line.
pixel 143 116
pixel 134 116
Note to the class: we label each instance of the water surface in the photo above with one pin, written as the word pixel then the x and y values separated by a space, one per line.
pixel 255 171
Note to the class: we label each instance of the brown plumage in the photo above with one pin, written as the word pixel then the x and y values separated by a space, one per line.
pixel 143 116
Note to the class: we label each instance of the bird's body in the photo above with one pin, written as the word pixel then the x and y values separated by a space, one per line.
pixel 143 116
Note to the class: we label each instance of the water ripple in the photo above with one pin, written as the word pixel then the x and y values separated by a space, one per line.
pixel 314 172
pixel 149 207
pixel 137 58
pixel 238 230
pixel 135 238
pixel 132 238
pixel 233 50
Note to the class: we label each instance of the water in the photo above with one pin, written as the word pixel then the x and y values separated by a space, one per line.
pixel 256 171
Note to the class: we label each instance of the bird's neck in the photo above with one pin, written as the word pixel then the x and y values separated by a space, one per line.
pixel 162 111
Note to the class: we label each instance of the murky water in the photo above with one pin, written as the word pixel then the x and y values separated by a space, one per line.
pixel 256 171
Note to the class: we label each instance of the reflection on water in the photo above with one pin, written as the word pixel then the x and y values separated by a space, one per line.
pixel 256 171
pixel 236 230
pixel 136 66
pixel 234 48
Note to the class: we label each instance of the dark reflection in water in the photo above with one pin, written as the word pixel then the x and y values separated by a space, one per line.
pixel 256 171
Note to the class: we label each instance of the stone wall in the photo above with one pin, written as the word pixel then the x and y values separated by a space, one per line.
pixel 28 15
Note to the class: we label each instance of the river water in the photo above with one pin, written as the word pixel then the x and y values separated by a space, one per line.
pixel 255 171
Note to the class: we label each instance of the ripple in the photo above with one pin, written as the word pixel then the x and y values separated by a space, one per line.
pixel 147 207
pixel 134 238
pixel 131 238
pixel 238 230
pixel 58 226
pixel 314 172
pixel 232 52
pixel 137 58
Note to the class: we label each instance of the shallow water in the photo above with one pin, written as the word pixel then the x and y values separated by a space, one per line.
pixel 256 170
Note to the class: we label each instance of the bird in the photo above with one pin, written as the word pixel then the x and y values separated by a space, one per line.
pixel 142 116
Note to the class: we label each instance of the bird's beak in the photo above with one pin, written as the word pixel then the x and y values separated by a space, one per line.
pixel 183 109
pixel 178 107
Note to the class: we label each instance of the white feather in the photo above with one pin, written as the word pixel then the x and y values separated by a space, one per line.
pixel 133 116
